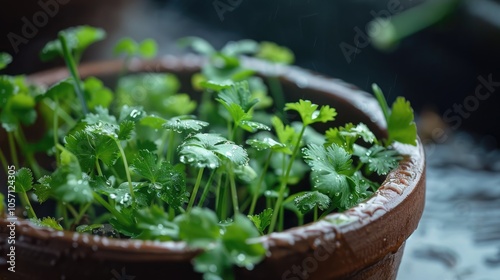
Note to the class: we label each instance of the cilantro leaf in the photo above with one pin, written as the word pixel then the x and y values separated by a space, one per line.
pixel 154 224
pixel 78 39
pixel 207 150
pixel 148 48
pixel 70 185
pixel 286 134
pixel 5 59
pixel 24 180
pixel 42 189
pixel 378 158
pixel 309 200
pixel 126 46
pixel 199 228
pixel 126 130
pixel 199 45
pixel 238 241
pixel 96 93
pixel 184 124
pixel 47 222
pixel 240 47
pixel 265 143
pixel 401 125
pixel 309 114
pixel 272 52
pixel 89 147
pixel 331 171
pixel 153 121
pixel 262 220
pixel 239 94
pixel 347 135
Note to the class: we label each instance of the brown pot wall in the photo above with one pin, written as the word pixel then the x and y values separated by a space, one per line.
pixel 369 246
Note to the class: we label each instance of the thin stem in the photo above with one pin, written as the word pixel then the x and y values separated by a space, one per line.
pixel 301 219
pixel 171 147
pixel 70 63
pixel 127 171
pixel 82 212
pixel 195 189
pixel 161 148
pixel 12 146
pixel 277 94
pixel 62 114
pixel 55 128
pixel 98 167
pixel 21 140
pixel 25 201
pixel 206 189
pixel 72 210
pixel 64 214
pixel 282 219
pixel 4 162
pixel 234 192
pixel 259 184
pixel 281 194
pixel 111 209
pixel 315 213
pixel 218 196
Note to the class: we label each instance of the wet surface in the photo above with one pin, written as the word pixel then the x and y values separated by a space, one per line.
pixel 458 237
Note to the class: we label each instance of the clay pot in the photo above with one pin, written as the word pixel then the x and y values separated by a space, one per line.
pixel 365 242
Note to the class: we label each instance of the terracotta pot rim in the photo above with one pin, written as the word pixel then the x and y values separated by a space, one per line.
pixel 406 180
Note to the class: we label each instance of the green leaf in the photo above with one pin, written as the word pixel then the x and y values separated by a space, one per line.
pixel 24 180
pixel 238 241
pixel 88 146
pixel 253 126
pixel 275 53
pixel 239 94
pixel 126 46
pixel 286 134
pixel 78 39
pixel 215 86
pixel 178 105
pixel 153 121
pixel 148 48
pixel 265 143
pixel 70 185
pixel 331 169
pixel 309 200
pixel 145 164
pixel 347 135
pixel 240 47
pixel 401 125
pixel 61 90
pixel 381 101
pixel 17 103
pixel 47 222
pixel 199 228
pixel 5 59
pixel 215 264
pixel 155 225
pixel 378 158
pixel 126 130
pixel 262 220
pixel 184 124
pixel 309 113
pixel 42 189
pixel 96 93
pixel 207 150
pixel 199 45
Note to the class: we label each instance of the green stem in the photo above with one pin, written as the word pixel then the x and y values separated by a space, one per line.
pixel 245 204
pixel 55 128
pixel 281 193
pixel 301 219
pixel 4 162
pixel 70 63
pixel 82 212
pixel 61 114
pixel 277 94
pixel 259 184
pixel 12 145
pixel 282 219
pixel 234 193
pixel 72 210
pixel 111 209
pixel 98 167
pixel 218 196
pixel 171 213
pixel 195 189
pixel 25 201
pixel 171 147
pixel 127 171
pixel 21 140
pixel 161 148
pixel 64 214
pixel 315 213
pixel 206 190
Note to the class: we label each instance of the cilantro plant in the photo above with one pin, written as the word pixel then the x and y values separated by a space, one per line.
pixel 141 160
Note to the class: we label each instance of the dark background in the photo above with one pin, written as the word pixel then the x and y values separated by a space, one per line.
pixel 437 69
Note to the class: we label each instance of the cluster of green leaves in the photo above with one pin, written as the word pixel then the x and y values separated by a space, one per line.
pixel 215 173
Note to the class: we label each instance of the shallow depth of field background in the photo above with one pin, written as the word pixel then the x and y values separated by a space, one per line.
pixel 450 71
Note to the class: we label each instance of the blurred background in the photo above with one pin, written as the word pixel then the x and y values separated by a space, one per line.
pixel 442 55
